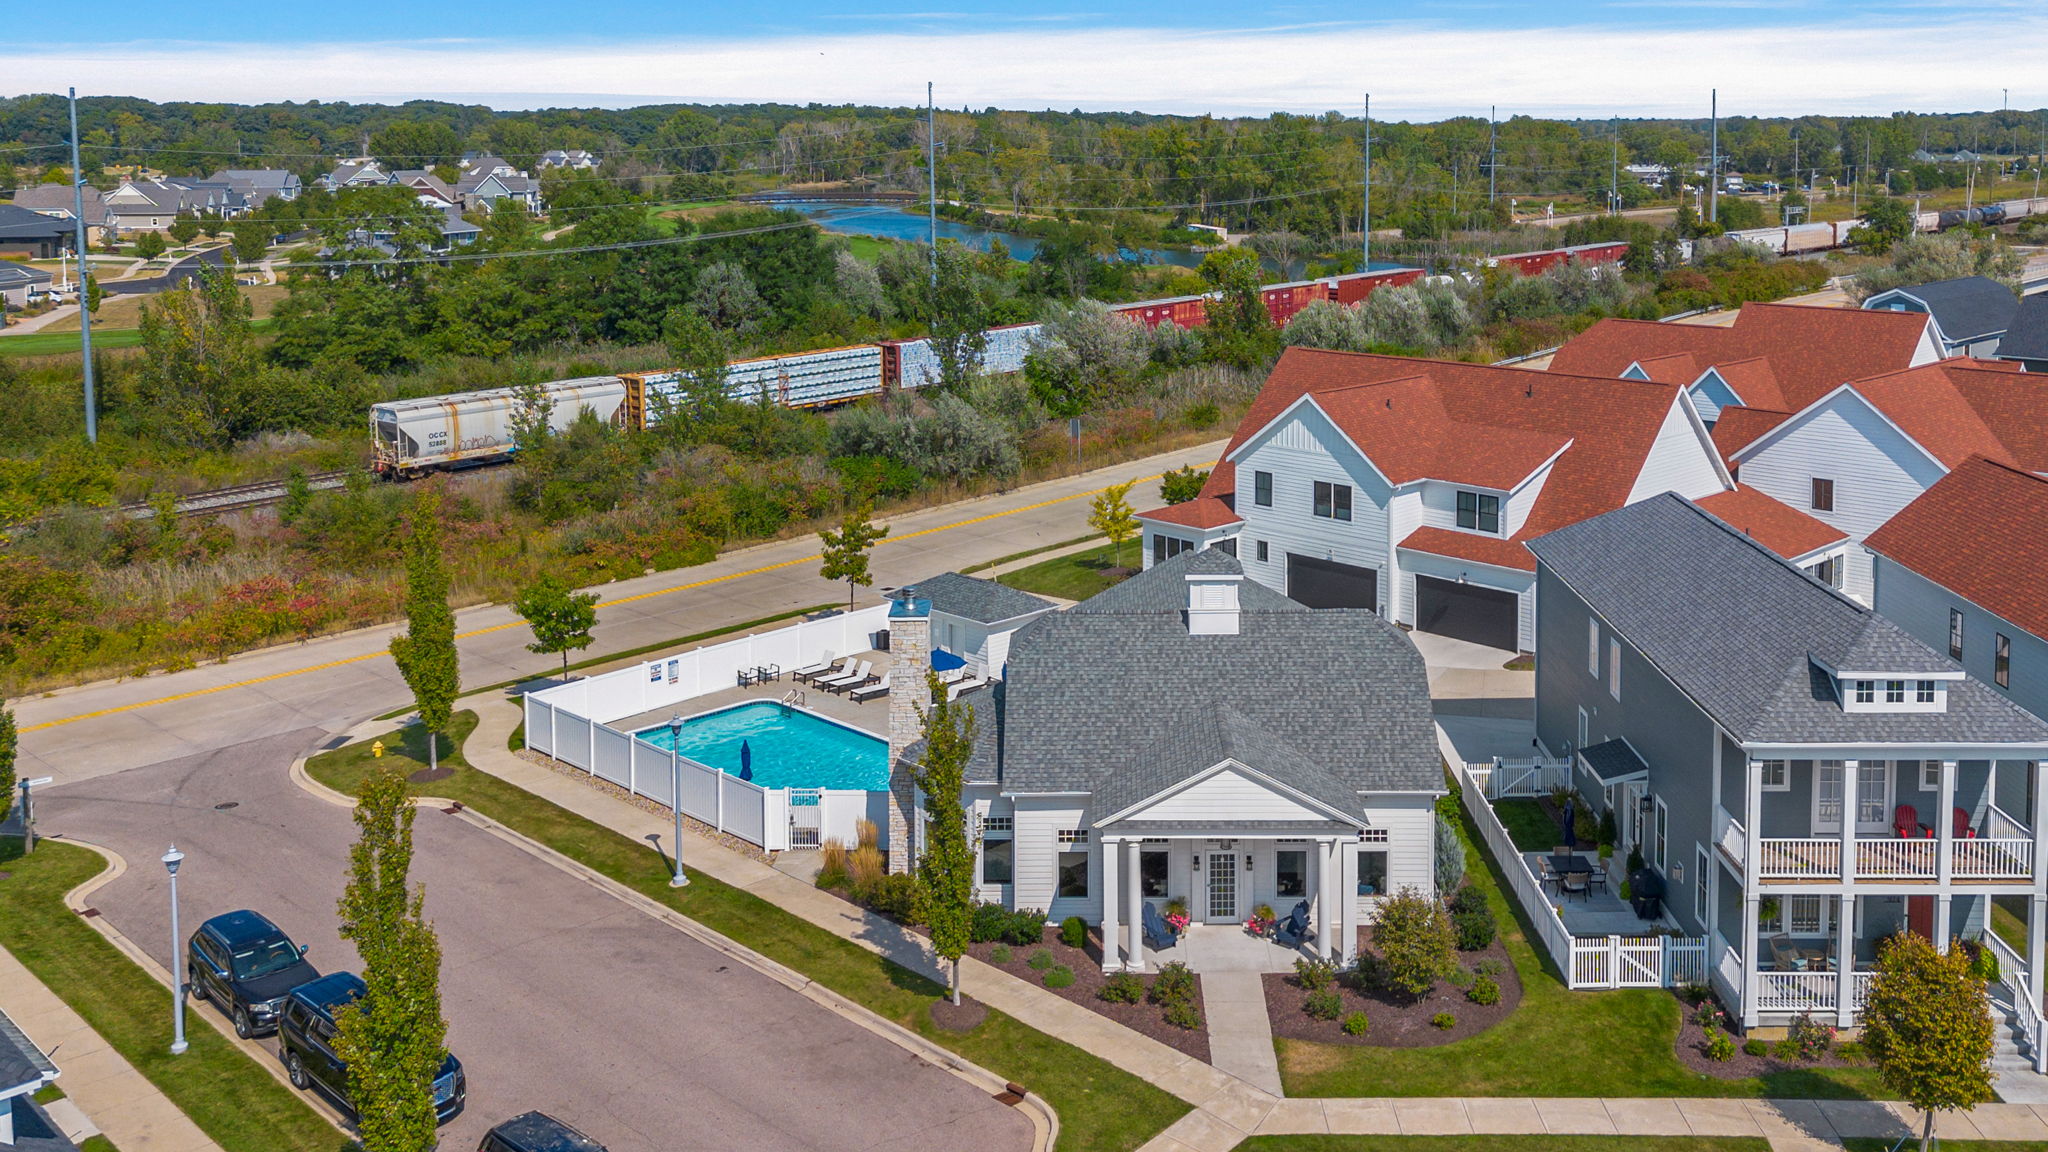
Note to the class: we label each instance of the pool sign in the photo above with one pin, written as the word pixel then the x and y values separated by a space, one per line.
pixel 654 672
pixel 674 670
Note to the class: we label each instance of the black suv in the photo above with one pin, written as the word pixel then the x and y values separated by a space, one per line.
pixel 247 965
pixel 536 1132
pixel 305 1034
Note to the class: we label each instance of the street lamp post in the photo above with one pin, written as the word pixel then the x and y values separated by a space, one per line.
pixel 171 861
pixel 675 768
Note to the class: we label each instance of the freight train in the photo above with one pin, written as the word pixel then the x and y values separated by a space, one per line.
pixel 1796 239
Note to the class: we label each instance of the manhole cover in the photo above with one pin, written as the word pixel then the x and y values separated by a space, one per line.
pixel 227 804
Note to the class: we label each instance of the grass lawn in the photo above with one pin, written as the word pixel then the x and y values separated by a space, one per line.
pixel 1528 825
pixel 233 1100
pixel 1100 1106
pixel 867 247
pixel 1073 577
pixel 1506 1144
pixel 58 343
pixel 1559 1043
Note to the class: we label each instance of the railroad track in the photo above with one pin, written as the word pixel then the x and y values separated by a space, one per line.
pixel 239 496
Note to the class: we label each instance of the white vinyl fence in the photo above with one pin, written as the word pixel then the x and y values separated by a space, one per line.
pixel 1586 961
pixel 572 723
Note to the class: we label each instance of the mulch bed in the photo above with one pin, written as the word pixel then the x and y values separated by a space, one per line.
pixel 1397 1021
pixel 963 1017
pixel 1086 963
pixel 1692 1052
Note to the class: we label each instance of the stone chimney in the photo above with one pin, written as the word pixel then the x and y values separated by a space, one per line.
pixel 1212 603
pixel 910 658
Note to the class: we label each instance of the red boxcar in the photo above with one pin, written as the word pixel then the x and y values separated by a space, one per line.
pixel 1186 311
pixel 1352 287
pixel 1284 300
pixel 1609 252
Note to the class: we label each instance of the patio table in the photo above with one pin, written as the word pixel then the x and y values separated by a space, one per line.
pixel 1564 865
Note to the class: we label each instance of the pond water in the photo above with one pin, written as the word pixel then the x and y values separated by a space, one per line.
pixel 892 222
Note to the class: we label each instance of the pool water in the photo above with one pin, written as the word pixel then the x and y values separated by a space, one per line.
pixel 789 748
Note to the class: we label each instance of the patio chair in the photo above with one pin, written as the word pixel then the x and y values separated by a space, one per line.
pixel 953 692
pixel 1562 850
pixel 1784 957
pixel 868 692
pixel 846 680
pixel 1963 831
pixel 1906 822
pixel 825 671
pixel 1293 931
pixel 1158 933
pixel 1546 876
pixel 807 671
pixel 1575 884
pixel 953 675
pixel 1597 878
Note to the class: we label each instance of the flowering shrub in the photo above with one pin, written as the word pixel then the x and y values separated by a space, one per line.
pixel 1809 1038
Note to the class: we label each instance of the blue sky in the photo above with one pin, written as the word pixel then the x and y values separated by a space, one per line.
pixel 1570 57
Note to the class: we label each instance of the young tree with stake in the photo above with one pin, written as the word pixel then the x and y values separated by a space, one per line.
pixel 561 618
pixel 7 747
pixel 1927 1026
pixel 1111 515
pixel 946 870
pixel 394 1038
pixel 846 551
pixel 426 654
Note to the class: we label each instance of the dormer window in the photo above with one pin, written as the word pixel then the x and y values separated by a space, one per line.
pixel 1895 691
pixel 1867 693
pixel 1923 692
pixel 1479 511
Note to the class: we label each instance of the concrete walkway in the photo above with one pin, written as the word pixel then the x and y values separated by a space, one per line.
pixel 98 1081
pixel 1235 1103
pixel 1240 1035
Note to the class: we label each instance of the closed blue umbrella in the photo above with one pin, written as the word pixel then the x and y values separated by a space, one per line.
pixel 1571 826
pixel 746 761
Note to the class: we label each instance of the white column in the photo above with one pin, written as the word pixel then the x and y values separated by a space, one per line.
pixel 1750 900
pixel 1329 933
pixel 1347 892
pixel 1850 770
pixel 2037 908
pixel 1845 959
pixel 1110 960
pixel 1134 948
pixel 1945 831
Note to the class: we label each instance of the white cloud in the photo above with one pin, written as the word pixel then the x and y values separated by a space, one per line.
pixel 1414 71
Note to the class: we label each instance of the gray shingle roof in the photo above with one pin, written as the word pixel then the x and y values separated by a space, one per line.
pixel 982 601
pixel 15 275
pixel 1968 307
pixel 1739 630
pixel 1612 759
pixel 1206 740
pixel 2027 338
pixel 22 223
pixel 1099 689
pixel 21 1062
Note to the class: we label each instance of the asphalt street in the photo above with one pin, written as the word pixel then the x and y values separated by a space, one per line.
pixel 558 997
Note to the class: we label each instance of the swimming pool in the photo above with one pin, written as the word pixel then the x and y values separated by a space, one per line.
pixel 787 747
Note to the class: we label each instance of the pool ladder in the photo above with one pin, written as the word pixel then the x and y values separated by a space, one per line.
pixel 794 696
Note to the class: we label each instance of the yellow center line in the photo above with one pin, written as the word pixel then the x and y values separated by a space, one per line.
pixel 347 660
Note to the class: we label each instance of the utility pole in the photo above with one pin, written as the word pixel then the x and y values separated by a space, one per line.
pixel 1365 218
pixel 92 419
pixel 931 172
pixel 1714 167
pixel 1492 149
pixel 1614 169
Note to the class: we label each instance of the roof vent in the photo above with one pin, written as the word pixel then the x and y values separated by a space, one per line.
pixel 1212 603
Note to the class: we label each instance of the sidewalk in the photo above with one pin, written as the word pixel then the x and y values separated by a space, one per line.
pixel 115 1097
pixel 1230 1108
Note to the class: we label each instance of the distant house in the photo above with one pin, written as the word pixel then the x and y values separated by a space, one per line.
pixel 455 232
pixel 24 1070
pixel 2026 341
pixel 258 186
pixel 486 180
pixel 575 158
pixel 152 205
pixel 1962 568
pixel 33 235
pixel 57 200
pixel 354 174
pixel 21 285
pixel 1960 156
pixel 1971 313
pixel 431 189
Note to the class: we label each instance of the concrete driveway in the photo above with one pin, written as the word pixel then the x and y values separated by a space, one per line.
pixel 558 997
pixel 1482 709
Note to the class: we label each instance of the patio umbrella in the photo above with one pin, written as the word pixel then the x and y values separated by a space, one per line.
pixel 1571 833
pixel 746 761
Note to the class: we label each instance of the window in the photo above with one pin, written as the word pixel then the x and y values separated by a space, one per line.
pixel 1923 692
pixel 1585 728
pixel 1955 633
pixel 1072 836
pixel 1895 691
pixel 2001 659
pixel 1777 776
pixel 1167 547
pixel 1700 898
pixel 1073 875
pixel 1823 495
pixel 1593 647
pixel 1262 489
pixel 1866 691
pixel 1262 551
pixel 1614 668
pixel 1152 864
pixel 1806 915
pixel 997 825
pixel 1479 511
pixel 1828 571
pixel 998 859
pixel 1333 501
pixel 1228 546
pixel 1663 832
pixel 1930 775
pixel 1290 874
pixel 1372 873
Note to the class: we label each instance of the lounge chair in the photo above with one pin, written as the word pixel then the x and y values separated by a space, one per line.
pixel 1906 822
pixel 809 670
pixel 954 691
pixel 868 692
pixel 1293 931
pixel 1963 831
pixel 1158 933
pixel 818 675
pixel 1784 957
pixel 953 675
pixel 846 680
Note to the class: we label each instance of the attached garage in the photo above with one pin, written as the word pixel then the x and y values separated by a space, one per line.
pixel 1469 612
pixel 1328 584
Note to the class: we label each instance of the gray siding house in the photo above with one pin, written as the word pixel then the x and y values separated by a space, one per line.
pixel 1732 728
pixel 1971 313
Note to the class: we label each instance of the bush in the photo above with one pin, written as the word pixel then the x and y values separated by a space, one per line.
pixel 1184 1014
pixel 1810 1039
pixel 1027 927
pixel 1123 988
pixel 1468 899
pixel 1314 974
pixel 894 894
pixel 1756 1047
pixel 1323 1004
pixel 832 869
pixel 1073 932
pixel 1461 977
pixel 1475 929
pixel 1415 942
pixel 1000 954
pixel 991 922
pixel 1059 976
pixel 1708 1015
pixel 863 866
pixel 1484 991
pixel 1721 1047
pixel 1444 1020
pixel 1371 971
pixel 1491 966
pixel 1174 984
pixel 1356 1023
pixel 1694 993
pixel 1040 960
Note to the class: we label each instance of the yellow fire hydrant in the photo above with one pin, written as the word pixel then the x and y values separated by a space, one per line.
pixel 377 750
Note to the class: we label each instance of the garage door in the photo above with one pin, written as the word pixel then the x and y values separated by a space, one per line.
pixel 1486 616
pixel 1328 584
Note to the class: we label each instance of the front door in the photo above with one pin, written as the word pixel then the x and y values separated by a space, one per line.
pixel 1221 906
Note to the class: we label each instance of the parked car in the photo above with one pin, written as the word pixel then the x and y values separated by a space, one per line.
pixel 247 965
pixel 305 1034
pixel 536 1132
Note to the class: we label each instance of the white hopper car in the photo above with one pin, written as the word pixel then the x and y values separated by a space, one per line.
pixel 438 432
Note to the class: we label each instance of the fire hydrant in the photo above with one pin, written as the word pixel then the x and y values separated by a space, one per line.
pixel 377 750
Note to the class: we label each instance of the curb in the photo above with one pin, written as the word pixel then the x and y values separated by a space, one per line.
pixel 1045 1122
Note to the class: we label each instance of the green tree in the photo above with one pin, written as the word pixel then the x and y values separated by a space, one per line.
pixel 94 294
pixel 1927 1027
pixel 394 1038
pixel 682 414
pixel 1886 221
pixel 846 551
pixel 1181 485
pixel 1240 330
pixel 7 751
pixel 1416 944
pixel 960 308
pixel 561 617
pixel 532 413
pixel 252 238
pixel 199 359
pixel 946 870
pixel 149 245
pixel 1111 514
pixel 185 228
pixel 425 653
pixel 298 496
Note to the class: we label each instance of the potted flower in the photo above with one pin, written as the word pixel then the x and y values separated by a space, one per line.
pixel 1177 914
pixel 1260 923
